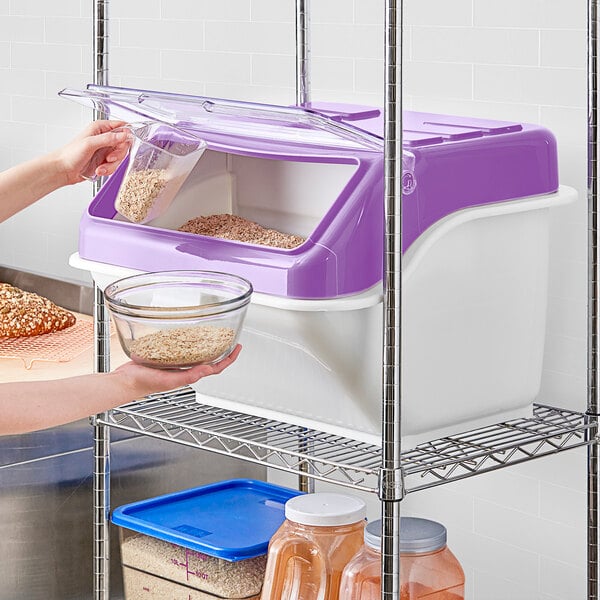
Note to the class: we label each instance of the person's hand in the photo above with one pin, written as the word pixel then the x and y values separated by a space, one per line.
pixel 96 152
pixel 144 380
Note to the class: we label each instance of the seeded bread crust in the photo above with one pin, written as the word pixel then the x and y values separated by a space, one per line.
pixel 25 314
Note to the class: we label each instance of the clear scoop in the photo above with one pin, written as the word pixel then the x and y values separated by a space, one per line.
pixel 160 159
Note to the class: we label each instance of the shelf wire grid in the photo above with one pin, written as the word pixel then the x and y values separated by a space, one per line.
pixel 548 431
pixel 177 416
pixel 56 347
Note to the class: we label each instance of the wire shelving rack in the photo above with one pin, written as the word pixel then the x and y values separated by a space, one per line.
pixel 385 470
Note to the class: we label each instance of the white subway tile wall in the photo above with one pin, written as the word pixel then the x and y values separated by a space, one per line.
pixel 521 532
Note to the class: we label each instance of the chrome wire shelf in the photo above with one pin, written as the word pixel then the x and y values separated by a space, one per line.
pixel 548 431
pixel 178 417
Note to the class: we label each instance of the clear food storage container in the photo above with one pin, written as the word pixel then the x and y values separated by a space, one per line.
pixel 178 319
pixel 201 543
pixel 428 569
pixel 308 553
pixel 160 159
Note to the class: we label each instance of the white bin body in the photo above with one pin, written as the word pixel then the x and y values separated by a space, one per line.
pixel 473 327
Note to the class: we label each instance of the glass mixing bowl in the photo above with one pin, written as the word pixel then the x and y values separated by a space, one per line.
pixel 178 319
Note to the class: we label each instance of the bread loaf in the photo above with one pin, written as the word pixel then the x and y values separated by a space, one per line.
pixel 25 314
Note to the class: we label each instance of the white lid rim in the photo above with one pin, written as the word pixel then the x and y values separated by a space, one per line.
pixel 325 509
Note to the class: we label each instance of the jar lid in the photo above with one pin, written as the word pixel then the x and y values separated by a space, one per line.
pixel 325 509
pixel 416 535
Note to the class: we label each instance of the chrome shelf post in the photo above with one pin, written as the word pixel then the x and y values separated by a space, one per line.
pixel 101 482
pixel 593 297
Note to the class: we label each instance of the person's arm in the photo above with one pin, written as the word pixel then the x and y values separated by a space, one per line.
pixel 34 405
pixel 24 184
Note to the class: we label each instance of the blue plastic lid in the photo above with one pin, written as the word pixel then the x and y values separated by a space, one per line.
pixel 233 520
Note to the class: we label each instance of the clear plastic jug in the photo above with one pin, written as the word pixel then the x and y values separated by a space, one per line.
pixel 428 569
pixel 308 553
pixel 160 159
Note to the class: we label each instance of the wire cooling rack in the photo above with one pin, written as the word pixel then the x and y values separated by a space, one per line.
pixel 178 417
pixel 59 346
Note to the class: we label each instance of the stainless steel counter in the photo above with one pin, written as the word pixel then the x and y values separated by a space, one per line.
pixel 46 504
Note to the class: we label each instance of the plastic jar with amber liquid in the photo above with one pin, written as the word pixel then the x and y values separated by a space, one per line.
pixel 428 569
pixel 308 553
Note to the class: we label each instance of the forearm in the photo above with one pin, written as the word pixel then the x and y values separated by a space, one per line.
pixel 24 184
pixel 28 406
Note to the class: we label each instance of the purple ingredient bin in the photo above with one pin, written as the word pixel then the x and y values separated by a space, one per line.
pixel 450 163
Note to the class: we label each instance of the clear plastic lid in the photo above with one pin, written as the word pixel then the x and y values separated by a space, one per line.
pixel 247 119
pixel 325 509
pixel 416 535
